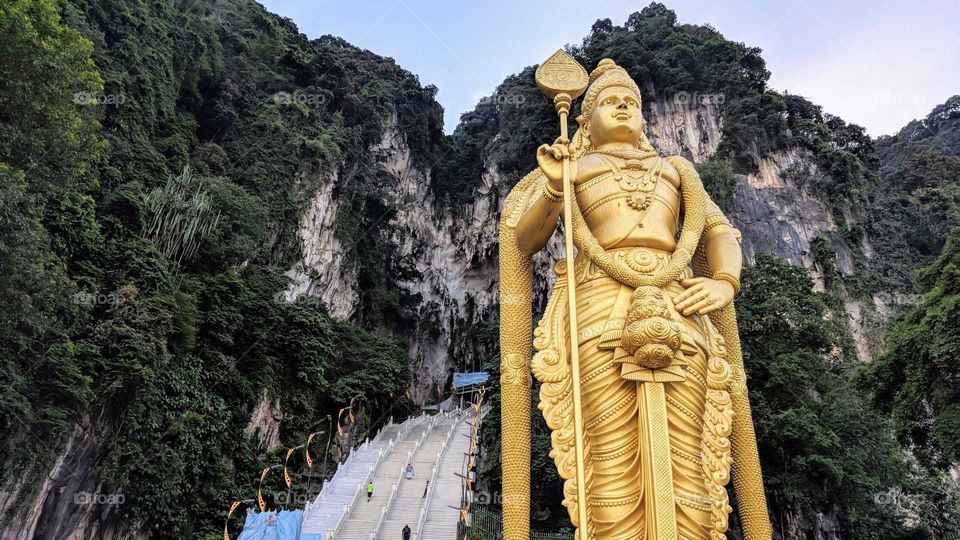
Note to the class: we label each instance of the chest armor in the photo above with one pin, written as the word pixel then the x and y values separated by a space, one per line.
pixel 631 205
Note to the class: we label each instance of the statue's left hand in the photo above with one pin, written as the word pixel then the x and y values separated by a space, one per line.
pixel 703 296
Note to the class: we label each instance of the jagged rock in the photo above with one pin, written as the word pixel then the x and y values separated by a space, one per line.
pixel 265 422
pixel 323 270
pixel 687 125
pixel 776 216
pixel 71 501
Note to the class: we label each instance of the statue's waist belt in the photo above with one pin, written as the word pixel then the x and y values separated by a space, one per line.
pixel 642 259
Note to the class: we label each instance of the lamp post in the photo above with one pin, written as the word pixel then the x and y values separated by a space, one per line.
pixel 326 452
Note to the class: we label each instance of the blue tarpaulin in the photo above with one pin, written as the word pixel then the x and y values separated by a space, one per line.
pixel 283 525
pixel 463 380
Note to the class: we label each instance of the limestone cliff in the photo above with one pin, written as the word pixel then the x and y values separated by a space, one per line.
pixel 453 248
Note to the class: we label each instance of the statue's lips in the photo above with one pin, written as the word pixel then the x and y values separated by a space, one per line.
pixel 621 116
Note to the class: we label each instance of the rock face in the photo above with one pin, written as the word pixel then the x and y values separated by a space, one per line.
pixel 454 250
pixel 265 422
pixel 776 216
pixel 322 270
pixel 68 499
pixel 453 253
pixel 687 125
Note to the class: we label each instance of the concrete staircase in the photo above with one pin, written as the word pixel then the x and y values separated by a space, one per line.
pixel 408 504
pixel 367 515
pixel 435 445
pixel 323 512
pixel 327 513
pixel 440 519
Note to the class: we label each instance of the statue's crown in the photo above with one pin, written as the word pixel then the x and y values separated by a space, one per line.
pixel 603 66
pixel 607 74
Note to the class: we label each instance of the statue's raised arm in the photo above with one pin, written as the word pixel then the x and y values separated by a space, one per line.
pixel 663 399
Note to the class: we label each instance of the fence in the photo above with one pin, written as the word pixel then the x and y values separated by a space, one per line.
pixel 488 525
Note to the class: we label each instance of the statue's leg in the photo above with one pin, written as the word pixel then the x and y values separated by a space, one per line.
pixel 610 420
pixel 688 410
pixel 685 416
pixel 612 415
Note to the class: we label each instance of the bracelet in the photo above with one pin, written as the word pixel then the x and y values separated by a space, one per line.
pixel 729 278
pixel 551 194
pixel 715 221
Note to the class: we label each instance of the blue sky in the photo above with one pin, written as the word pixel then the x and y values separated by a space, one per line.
pixel 878 64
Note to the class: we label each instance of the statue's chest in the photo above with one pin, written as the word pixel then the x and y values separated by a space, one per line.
pixel 624 192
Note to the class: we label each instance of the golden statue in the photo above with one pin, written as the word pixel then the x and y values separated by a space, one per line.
pixel 642 383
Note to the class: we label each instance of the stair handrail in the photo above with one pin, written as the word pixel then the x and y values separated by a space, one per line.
pixel 431 423
pixel 479 412
pixel 422 518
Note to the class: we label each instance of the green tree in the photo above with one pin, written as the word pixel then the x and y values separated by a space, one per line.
pixel 821 445
pixel 916 380
pixel 49 148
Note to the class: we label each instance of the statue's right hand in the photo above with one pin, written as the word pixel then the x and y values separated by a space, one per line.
pixel 550 159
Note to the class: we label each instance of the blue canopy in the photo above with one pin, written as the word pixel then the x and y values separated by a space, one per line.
pixel 463 380
pixel 284 525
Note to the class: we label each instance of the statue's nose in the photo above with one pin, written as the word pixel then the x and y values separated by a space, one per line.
pixel 622 105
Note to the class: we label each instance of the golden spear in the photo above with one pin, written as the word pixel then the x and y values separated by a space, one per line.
pixel 563 79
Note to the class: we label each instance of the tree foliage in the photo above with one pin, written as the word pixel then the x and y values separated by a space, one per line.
pixel 916 381
pixel 103 105
pixel 821 444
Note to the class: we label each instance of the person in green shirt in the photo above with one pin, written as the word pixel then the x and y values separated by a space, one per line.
pixel 369 490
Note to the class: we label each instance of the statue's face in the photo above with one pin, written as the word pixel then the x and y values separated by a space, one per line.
pixel 616 117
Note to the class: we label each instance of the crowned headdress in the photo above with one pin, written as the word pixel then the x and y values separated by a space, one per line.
pixel 606 75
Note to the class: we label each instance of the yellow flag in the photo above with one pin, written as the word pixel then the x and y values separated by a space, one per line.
pixel 262 503
pixel 286 475
pixel 306 450
pixel 226 533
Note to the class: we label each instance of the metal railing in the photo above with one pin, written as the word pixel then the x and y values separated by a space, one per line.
pixel 479 410
pixel 488 525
